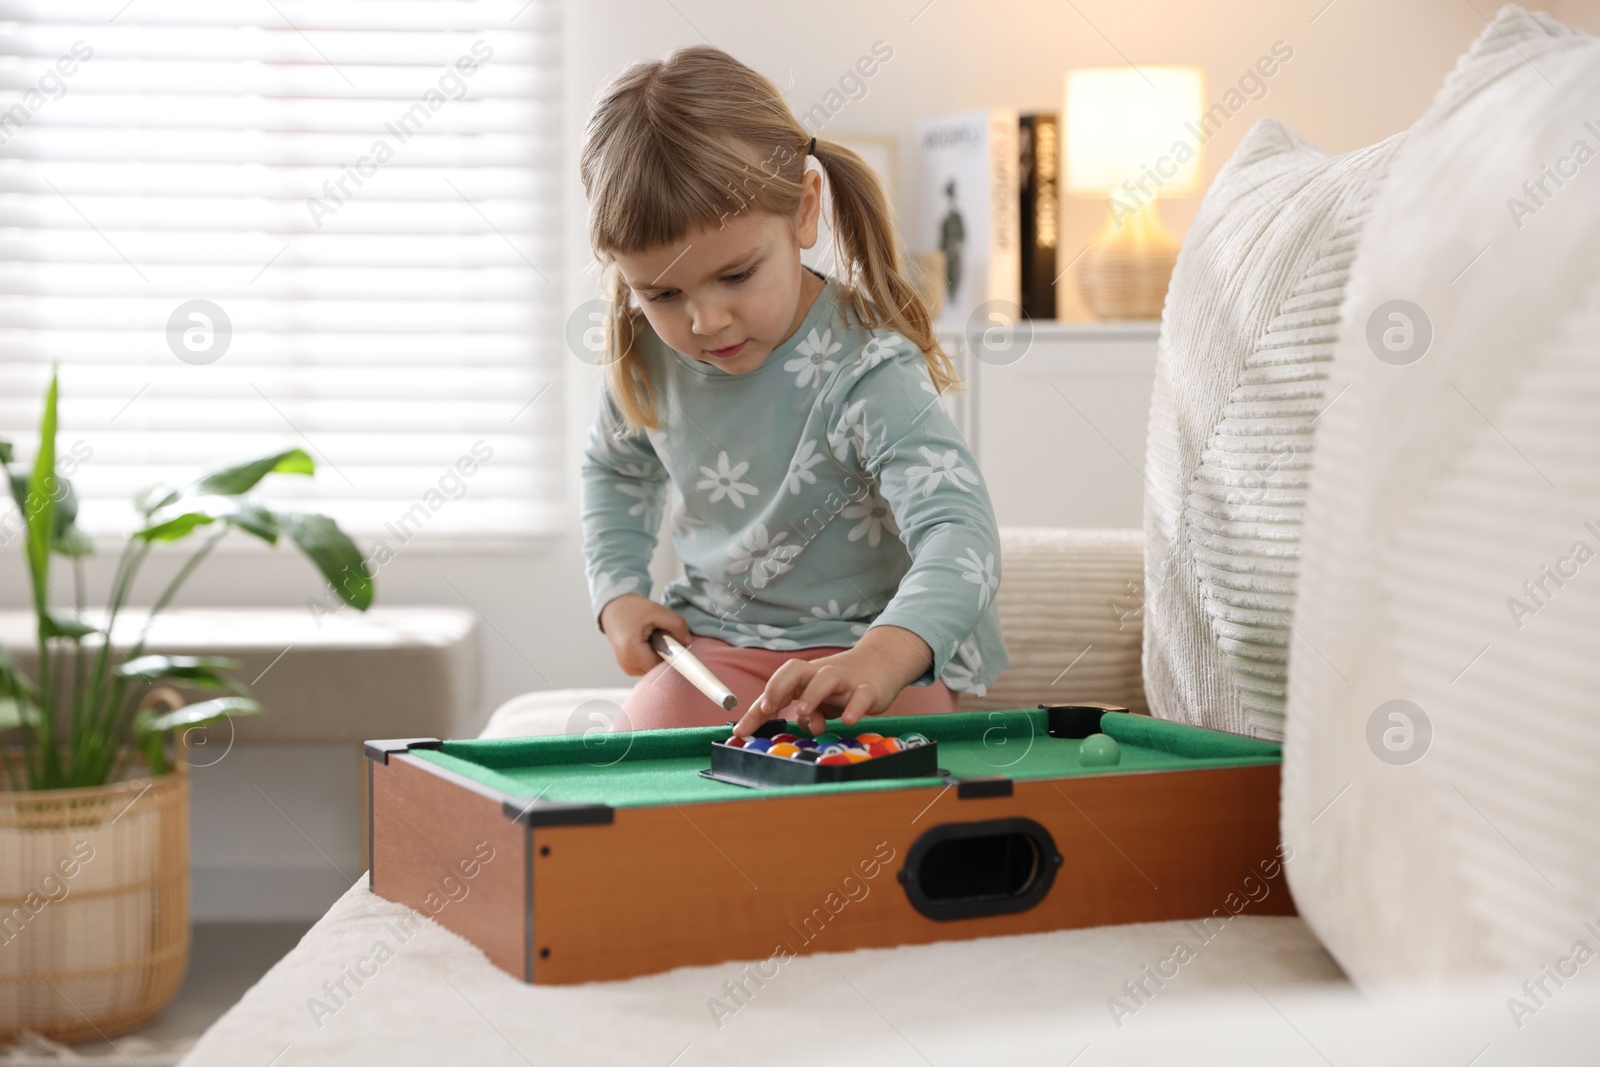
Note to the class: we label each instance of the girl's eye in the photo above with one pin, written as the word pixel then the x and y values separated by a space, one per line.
pixel 732 279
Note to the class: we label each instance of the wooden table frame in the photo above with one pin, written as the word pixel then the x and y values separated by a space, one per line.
pixel 580 892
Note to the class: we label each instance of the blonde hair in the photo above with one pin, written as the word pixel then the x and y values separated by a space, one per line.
pixel 666 152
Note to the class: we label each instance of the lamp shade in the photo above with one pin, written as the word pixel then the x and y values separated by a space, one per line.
pixel 1125 122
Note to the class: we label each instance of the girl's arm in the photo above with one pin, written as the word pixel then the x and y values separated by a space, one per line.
pixel 890 422
pixel 621 496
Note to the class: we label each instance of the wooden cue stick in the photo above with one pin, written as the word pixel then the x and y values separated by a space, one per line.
pixel 685 663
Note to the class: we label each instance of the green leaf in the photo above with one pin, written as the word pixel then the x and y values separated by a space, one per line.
pixel 57 626
pixel 15 682
pixel 14 715
pixel 191 715
pixel 150 729
pixel 241 478
pixel 149 499
pixel 195 672
pixel 225 481
pixel 180 519
pixel 335 555
pixel 74 542
pixel 39 511
pixel 6 454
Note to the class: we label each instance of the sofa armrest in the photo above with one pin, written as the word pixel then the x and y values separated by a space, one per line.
pixel 1071 610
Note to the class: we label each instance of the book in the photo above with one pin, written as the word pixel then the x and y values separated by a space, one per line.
pixel 968 166
pixel 1039 156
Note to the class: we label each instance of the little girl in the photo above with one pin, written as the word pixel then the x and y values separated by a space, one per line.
pixel 837 540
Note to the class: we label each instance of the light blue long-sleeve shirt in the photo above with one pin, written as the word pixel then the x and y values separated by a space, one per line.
pixel 822 493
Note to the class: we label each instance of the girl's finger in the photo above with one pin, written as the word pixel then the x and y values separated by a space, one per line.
pixel 825 684
pixel 861 702
pixel 781 688
pixel 753 717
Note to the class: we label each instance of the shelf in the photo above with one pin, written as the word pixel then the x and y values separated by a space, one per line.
pixel 1053 331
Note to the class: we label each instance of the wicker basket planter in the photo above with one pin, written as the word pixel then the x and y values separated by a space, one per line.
pixel 94 906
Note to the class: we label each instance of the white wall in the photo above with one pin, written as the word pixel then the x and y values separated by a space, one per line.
pixel 1362 69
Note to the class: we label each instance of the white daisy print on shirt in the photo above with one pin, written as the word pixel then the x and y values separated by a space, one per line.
pixel 763 556
pixel 724 481
pixel 642 493
pixel 854 430
pixel 980 572
pixel 762 635
pixel 812 362
pixel 963 667
pixel 942 468
pixel 800 466
pixel 683 522
pixel 876 519
pixel 832 613
pixel 876 350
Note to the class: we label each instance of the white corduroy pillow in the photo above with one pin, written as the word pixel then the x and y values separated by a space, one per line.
pixel 1442 764
pixel 1250 322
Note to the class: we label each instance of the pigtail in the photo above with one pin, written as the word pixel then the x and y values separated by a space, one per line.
pixel 624 362
pixel 873 285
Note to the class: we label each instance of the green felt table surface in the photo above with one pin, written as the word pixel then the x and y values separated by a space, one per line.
pixel 652 767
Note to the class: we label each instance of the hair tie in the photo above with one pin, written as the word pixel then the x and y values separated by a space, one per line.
pixel 811 151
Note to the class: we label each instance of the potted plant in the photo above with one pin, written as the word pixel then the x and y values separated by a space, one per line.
pixel 94 797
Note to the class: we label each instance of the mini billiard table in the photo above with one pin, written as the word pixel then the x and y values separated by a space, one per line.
pixel 607 855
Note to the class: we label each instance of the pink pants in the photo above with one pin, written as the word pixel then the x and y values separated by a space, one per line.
pixel 664 698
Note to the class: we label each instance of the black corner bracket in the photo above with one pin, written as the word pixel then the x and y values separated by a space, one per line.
pixel 380 751
pixel 989 785
pixel 1077 721
pixel 536 813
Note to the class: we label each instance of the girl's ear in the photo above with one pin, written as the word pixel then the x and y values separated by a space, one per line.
pixel 806 219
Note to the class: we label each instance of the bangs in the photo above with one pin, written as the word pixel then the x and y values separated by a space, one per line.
pixel 665 190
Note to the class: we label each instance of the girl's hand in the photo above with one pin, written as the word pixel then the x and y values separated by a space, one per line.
pixel 628 621
pixel 846 685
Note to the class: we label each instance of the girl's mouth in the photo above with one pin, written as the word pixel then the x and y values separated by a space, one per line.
pixel 731 350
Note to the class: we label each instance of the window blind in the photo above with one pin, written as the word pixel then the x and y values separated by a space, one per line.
pixel 239 227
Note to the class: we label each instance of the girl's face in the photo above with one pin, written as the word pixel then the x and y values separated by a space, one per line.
pixel 728 296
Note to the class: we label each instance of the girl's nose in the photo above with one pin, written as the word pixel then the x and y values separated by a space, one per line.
pixel 709 318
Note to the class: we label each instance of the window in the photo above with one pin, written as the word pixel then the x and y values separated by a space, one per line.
pixel 244 227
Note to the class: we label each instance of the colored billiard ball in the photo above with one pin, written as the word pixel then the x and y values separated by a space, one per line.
pixel 806 742
pixel 857 755
pixel 757 744
pixel 852 742
pixel 782 748
pixel 892 744
pixel 779 739
pixel 913 740
pixel 826 739
pixel 806 755
pixel 832 750
pixel 1098 750
pixel 867 739
pixel 735 742
pixel 834 759
pixel 878 748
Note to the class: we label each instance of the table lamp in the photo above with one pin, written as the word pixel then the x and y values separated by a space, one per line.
pixel 1132 135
